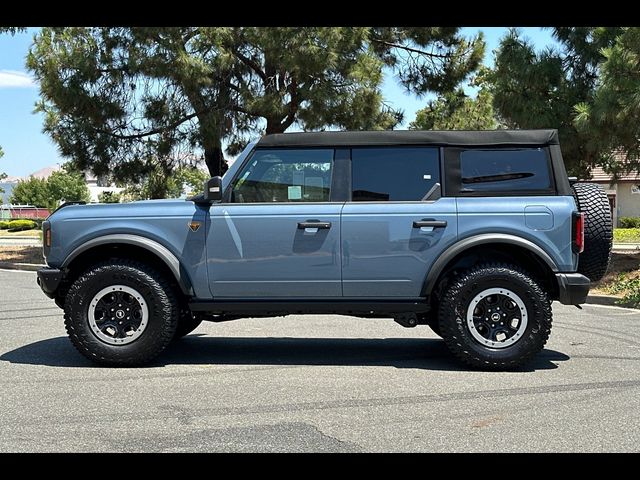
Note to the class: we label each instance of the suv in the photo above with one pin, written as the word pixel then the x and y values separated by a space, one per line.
pixel 473 233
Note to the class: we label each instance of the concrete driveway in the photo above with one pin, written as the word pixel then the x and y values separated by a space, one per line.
pixel 315 383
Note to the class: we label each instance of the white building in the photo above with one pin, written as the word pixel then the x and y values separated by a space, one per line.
pixel 96 185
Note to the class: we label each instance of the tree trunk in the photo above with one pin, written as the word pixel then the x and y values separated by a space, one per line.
pixel 214 158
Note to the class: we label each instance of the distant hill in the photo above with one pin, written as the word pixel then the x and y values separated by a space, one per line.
pixel 45 172
pixel 7 187
pixel 8 183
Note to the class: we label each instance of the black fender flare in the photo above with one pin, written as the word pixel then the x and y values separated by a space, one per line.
pixel 159 250
pixel 486 238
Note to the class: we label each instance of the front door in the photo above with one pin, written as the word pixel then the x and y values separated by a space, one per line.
pixel 278 236
pixel 396 224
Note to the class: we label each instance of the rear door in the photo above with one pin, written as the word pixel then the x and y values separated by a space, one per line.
pixel 396 223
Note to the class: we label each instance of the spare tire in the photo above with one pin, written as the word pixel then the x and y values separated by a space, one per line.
pixel 598 230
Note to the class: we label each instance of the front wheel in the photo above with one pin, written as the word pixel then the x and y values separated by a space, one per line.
pixel 495 317
pixel 121 313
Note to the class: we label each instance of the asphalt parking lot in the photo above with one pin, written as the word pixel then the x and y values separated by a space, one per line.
pixel 315 383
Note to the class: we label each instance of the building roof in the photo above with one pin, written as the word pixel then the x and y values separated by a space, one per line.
pixel 599 175
pixel 411 137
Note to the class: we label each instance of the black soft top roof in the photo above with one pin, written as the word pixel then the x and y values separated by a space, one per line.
pixel 411 137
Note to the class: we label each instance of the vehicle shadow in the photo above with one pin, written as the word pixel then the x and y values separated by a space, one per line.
pixel 426 353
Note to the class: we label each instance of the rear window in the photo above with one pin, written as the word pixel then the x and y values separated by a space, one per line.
pixel 526 169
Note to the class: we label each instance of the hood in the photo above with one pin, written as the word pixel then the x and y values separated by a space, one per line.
pixel 142 208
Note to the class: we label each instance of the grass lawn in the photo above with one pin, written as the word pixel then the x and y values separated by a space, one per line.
pixel 21 255
pixel 25 233
pixel 626 235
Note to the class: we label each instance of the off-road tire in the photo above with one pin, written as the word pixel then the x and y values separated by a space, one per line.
pixel 160 300
pixel 456 332
pixel 598 230
pixel 187 323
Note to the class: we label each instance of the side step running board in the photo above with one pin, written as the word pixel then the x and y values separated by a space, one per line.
pixel 280 307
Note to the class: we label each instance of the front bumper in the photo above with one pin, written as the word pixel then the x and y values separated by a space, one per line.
pixel 573 288
pixel 49 280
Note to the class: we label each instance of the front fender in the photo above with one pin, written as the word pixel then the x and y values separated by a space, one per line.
pixel 159 250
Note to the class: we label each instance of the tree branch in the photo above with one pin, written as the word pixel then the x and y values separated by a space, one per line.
pixel 413 50
pixel 253 65
pixel 153 131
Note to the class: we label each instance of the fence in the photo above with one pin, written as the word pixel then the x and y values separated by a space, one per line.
pixel 22 211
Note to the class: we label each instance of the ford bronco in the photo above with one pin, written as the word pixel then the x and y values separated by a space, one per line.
pixel 473 233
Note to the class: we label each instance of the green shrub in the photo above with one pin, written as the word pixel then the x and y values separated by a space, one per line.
pixel 626 235
pixel 629 222
pixel 109 197
pixel 629 288
pixel 4 225
pixel 20 225
pixel 37 221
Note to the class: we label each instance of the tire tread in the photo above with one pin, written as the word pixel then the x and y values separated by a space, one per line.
pixel 593 262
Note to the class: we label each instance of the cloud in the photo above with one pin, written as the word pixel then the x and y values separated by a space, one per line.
pixel 15 79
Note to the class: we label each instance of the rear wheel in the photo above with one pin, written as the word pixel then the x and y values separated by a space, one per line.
pixel 495 317
pixel 598 230
pixel 121 313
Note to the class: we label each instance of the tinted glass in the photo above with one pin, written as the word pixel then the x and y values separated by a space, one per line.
pixel 504 170
pixel 393 174
pixel 291 175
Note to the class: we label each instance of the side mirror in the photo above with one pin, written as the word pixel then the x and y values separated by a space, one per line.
pixel 213 189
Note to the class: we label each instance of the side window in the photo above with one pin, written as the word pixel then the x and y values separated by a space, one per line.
pixel 526 169
pixel 394 174
pixel 287 175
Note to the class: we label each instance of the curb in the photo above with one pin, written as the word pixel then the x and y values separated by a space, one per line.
pixel 25 267
pixel 32 267
pixel 625 247
pixel 603 300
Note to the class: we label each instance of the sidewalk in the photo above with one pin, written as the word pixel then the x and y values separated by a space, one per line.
pixel 18 241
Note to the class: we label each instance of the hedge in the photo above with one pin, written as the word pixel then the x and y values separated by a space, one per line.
pixel 19 225
pixel 4 225
pixel 629 222
pixel 37 221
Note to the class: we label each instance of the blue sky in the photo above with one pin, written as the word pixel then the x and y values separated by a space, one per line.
pixel 27 149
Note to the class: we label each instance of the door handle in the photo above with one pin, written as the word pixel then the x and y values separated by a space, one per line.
pixel 314 224
pixel 430 223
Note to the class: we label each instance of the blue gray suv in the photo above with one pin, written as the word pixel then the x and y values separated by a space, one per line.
pixel 473 233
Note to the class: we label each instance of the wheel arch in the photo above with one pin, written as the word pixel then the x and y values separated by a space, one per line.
pixel 507 245
pixel 129 246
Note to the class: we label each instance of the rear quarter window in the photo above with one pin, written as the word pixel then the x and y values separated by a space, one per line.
pixel 487 171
